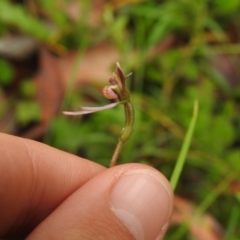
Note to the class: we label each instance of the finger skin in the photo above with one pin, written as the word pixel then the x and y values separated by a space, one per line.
pixel 35 179
pixel 87 214
pixel 60 196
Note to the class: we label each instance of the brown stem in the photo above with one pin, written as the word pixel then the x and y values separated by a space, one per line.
pixel 116 153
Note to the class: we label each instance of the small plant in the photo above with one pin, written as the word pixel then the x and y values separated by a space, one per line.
pixel 116 90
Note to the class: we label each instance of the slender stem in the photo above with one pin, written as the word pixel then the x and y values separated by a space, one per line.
pixel 126 131
pixel 116 153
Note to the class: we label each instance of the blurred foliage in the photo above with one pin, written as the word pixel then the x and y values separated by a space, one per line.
pixel 27 110
pixel 15 15
pixel 6 70
pixel 164 86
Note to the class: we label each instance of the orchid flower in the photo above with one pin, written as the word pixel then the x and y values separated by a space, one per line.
pixel 116 90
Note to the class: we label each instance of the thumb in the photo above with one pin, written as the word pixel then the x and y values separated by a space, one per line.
pixel 130 201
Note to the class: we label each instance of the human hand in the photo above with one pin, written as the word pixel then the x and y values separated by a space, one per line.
pixel 49 194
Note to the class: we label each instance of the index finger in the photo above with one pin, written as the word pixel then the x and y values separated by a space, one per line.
pixel 35 179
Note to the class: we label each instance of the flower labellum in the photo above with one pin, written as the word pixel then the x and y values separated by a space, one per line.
pixel 109 93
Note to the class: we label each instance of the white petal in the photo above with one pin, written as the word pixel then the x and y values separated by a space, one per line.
pixel 94 109
pixel 87 110
pixel 77 113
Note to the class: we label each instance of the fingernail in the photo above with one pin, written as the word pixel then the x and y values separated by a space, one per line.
pixel 142 201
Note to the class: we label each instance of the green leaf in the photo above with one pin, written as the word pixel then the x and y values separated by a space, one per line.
pixel 58 16
pixel 6 72
pixel 15 15
pixel 27 112
pixel 228 6
pixel 28 88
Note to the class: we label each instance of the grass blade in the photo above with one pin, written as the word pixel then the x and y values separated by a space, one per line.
pixel 184 150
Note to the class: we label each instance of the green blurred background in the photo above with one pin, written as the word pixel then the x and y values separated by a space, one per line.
pixel 178 51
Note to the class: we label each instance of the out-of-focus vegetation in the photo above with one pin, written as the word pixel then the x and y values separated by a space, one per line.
pixel 178 51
